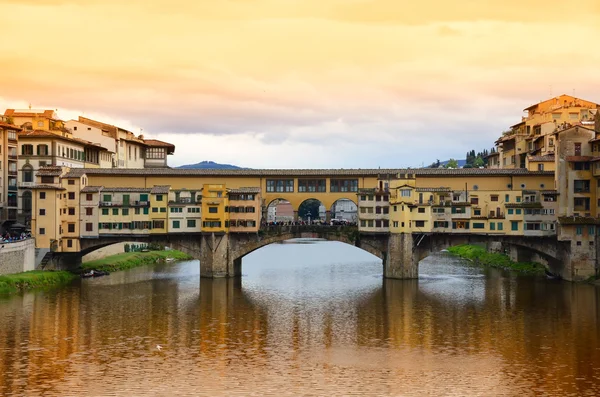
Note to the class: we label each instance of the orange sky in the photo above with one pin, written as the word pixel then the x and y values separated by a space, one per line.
pixel 355 82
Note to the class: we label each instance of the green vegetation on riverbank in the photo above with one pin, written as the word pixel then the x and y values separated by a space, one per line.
pixel 480 256
pixel 12 283
pixel 128 260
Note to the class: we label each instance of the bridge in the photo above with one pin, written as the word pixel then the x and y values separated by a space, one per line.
pixel 221 254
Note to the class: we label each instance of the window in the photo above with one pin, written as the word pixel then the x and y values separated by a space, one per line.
pixel 581 166
pixel 42 211
pixel 159 197
pixel 158 224
pixel 146 211
pixel 89 211
pixel 104 211
pixel 311 185
pixel 71 181
pixel 510 211
pixel 154 209
pixel 175 224
pixel 514 225
pixel 475 200
pixel 405 192
pixel 518 211
pixel 421 210
pixel 343 185
pixel 107 197
pixel 478 225
pixel 71 195
pixel 47 179
pixel 213 210
pixel 500 226
pixel 590 230
pixel 115 211
pixel 518 199
pixel 210 223
pixel 125 211
pixel 492 226
pixel 69 243
pixel 577 148
pixel 155 153
pixel 420 223
pixel 71 210
pixel 42 230
pixel 507 198
pixel 163 209
pixel 540 167
pixel 494 198
pixel 89 227
pixel 581 186
pixel 280 185
pixel 42 150
pixel 579 230
pixel 27 150
pixel 42 195
pixel 27 173
pixel 477 212
pixel 192 223
pixel 71 228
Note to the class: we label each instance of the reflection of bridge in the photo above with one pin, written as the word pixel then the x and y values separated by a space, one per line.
pixel 221 254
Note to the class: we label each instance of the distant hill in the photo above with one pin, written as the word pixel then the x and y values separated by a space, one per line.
pixel 210 165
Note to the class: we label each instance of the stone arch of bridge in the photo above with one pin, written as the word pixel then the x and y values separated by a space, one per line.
pixel 188 243
pixel 546 251
pixel 295 199
pixel 350 236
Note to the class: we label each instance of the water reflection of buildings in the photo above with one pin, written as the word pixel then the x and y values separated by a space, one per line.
pixel 53 338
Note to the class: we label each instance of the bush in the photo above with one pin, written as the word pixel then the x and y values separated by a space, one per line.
pixel 480 256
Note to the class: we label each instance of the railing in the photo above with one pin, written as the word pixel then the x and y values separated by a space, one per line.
pixel 13 157
pixel 134 203
pixel 13 172
pixel 185 200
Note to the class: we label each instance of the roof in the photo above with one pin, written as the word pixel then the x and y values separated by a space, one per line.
pixel 50 171
pixel 160 189
pixel 422 172
pixel 242 190
pixel 493 154
pixel 91 189
pixel 556 97
pixel 578 220
pixel 579 159
pixel 48 134
pixel 157 143
pixel 543 159
pixel 42 186
pixel 126 190
pixel 29 113
pixel 550 193
pixel 9 126
pixel 433 189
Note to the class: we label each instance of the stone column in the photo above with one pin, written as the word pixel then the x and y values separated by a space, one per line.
pixel 399 261
pixel 328 216
pixel 295 215
pixel 214 256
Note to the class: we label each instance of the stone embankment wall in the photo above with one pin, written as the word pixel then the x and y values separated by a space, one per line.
pixel 17 257
pixel 103 252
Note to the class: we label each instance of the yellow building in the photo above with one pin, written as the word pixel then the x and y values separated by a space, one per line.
pixel 244 208
pixel 214 201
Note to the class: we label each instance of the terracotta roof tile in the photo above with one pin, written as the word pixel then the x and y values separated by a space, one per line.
pixel 50 170
pixel 342 173
pixel 42 186
pixel 242 190
pixel 157 143
pixel 91 189
pixel 433 189
pixel 9 126
pixel 125 190
pixel 160 189
pixel 547 158
pixel 578 220
pixel 579 159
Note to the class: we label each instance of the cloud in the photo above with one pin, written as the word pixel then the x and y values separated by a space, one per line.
pixel 273 83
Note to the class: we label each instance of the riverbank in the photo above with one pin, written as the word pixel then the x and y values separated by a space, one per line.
pixel 13 283
pixel 497 260
pixel 128 260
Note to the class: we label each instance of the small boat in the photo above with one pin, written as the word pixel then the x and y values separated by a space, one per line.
pixel 552 276
pixel 94 273
pixel 169 259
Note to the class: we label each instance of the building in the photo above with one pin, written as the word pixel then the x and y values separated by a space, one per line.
pixel 8 174
pixel 130 151
pixel 34 119
pixel 41 148
pixel 534 134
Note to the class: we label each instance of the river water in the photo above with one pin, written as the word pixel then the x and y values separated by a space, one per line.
pixel 305 319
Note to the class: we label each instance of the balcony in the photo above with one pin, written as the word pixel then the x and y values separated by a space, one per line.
pixel 12 188
pixel 13 157
pixel 185 200
pixel 13 172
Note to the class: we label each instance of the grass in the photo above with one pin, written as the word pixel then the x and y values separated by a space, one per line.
pixel 12 283
pixel 480 256
pixel 128 260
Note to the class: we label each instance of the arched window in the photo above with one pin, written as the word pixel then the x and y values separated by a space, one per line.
pixel 27 173
pixel 27 201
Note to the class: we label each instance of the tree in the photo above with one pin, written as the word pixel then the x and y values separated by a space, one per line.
pixel 478 162
pixel 309 208
pixel 452 163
